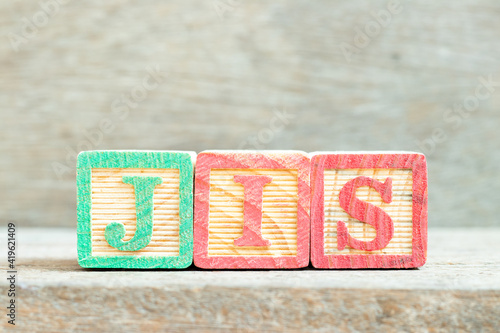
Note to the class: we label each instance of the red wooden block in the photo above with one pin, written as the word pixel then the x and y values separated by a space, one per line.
pixel 368 210
pixel 252 210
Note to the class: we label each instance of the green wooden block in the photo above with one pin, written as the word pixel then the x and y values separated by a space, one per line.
pixel 135 209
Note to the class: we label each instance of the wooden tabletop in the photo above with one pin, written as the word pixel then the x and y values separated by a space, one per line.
pixel 458 289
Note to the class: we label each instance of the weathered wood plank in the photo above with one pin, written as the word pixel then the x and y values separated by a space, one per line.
pixel 457 290
pixel 218 82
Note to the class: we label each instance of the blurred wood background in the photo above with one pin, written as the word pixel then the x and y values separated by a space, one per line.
pixel 227 68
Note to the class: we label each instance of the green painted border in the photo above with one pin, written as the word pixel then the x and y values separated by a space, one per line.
pixel 184 161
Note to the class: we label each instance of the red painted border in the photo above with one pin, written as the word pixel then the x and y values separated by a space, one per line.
pixel 414 161
pixel 250 160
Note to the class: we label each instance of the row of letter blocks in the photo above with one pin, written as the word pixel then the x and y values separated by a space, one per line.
pixel 251 209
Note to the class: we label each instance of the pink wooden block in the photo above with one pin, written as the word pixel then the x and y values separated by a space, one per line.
pixel 368 210
pixel 252 210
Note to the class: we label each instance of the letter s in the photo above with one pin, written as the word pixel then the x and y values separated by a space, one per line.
pixel 367 213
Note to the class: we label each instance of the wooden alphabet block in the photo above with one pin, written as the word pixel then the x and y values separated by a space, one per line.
pixel 252 210
pixel 135 209
pixel 368 210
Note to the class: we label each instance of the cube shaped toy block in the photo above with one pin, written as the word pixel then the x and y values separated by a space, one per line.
pixel 368 210
pixel 135 209
pixel 252 210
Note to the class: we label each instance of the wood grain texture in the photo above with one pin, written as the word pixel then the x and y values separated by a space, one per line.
pixel 104 199
pixel 220 210
pixel 406 209
pixel 225 80
pixel 399 209
pixel 458 290
pixel 112 200
pixel 279 213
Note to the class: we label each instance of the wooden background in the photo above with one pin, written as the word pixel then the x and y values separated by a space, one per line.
pixel 228 67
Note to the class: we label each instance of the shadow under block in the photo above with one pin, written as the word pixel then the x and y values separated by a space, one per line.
pixel 368 210
pixel 135 209
pixel 252 210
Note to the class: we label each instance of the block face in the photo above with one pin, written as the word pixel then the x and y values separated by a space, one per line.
pixel 252 210
pixel 380 221
pixel 113 200
pixel 399 209
pixel 135 209
pixel 279 213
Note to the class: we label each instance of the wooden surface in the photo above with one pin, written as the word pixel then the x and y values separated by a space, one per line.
pixel 135 209
pixel 350 231
pixel 279 219
pixel 277 211
pixel 399 209
pixel 112 200
pixel 223 80
pixel 457 290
